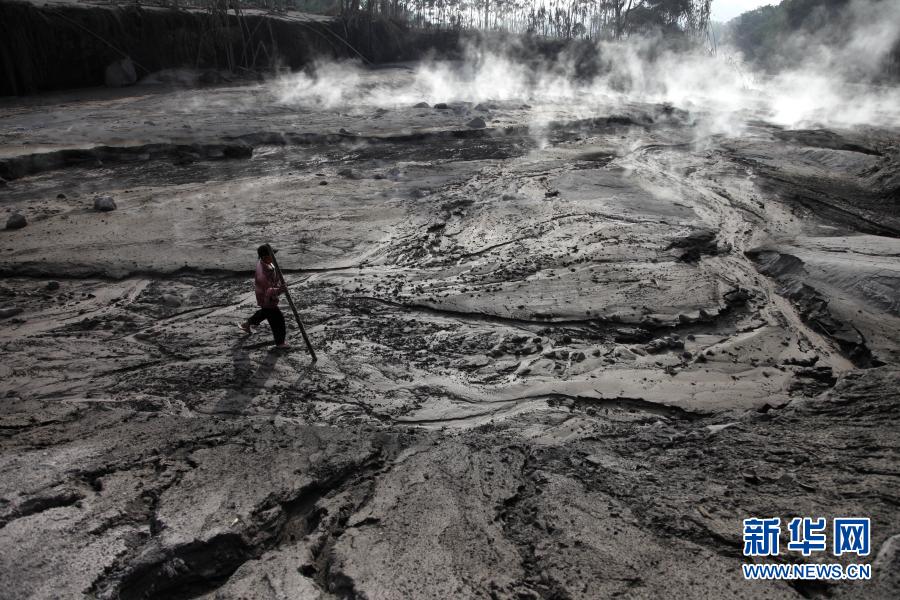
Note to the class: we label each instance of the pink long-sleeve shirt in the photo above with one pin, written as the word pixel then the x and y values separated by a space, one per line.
pixel 267 285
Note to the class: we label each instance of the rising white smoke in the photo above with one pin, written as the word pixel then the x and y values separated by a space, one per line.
pixel 819 89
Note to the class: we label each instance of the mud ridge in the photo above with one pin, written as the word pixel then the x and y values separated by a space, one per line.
pixel 812 306
pixel 41 271
pixel 243 146
pixel 200 567
pixel 32 164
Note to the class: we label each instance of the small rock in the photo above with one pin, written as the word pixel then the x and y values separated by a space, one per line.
pixel 323 182
pixel 52 285
pixel 104 203
pixel 171 300
pixel 718 428
pixel 631 334
pixel 441 106
pixel 578 356
pixel 422 105
pixel 344 131
pixel 16 221
pixel 476 123
pixel 348 173
pixel 5 313
pixel 60 196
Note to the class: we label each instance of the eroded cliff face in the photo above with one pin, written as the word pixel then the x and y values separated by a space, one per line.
pixel 558 358
pixel 65 45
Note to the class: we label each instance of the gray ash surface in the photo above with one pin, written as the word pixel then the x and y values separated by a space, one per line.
pixel 561 360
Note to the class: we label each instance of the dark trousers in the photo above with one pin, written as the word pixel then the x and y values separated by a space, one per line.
pixel 276 321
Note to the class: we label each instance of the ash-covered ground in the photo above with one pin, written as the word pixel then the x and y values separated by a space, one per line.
pixel 561 355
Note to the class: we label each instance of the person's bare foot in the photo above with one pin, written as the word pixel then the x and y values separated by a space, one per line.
pixel 245 327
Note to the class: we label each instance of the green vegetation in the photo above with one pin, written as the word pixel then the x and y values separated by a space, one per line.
pixel 790 33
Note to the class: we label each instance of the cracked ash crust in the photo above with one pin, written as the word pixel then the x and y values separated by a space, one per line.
pixel 557 370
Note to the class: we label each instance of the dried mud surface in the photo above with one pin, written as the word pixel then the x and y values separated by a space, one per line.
pixel 555 361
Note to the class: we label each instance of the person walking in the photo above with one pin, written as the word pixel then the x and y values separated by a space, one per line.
pixel 268 289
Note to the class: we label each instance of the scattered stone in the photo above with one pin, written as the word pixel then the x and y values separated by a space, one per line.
pixel 578 356
pixel 323 182
pixel 171 300
pixel 481 107
pixel 52 285
pixel 120 73
pixel 343 131
pixel 60 196
pixel 6 313
pixel 441 106
pixel 16 221
pixel 631 335
pixel 348 173
pixel 476 123
pixel 104 203
pixel 422 105
pixel 664 343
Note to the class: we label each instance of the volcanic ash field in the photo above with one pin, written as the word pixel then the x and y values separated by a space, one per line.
pixel 564 347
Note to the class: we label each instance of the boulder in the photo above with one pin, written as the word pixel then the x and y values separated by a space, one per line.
pixel 476 123
pixel 16 221
pixel 441 106
pixel 104 203
pixel 422 105
pixel 121 73
pixel 171 300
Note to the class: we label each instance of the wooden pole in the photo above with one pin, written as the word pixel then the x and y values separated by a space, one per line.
pixel 287 294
